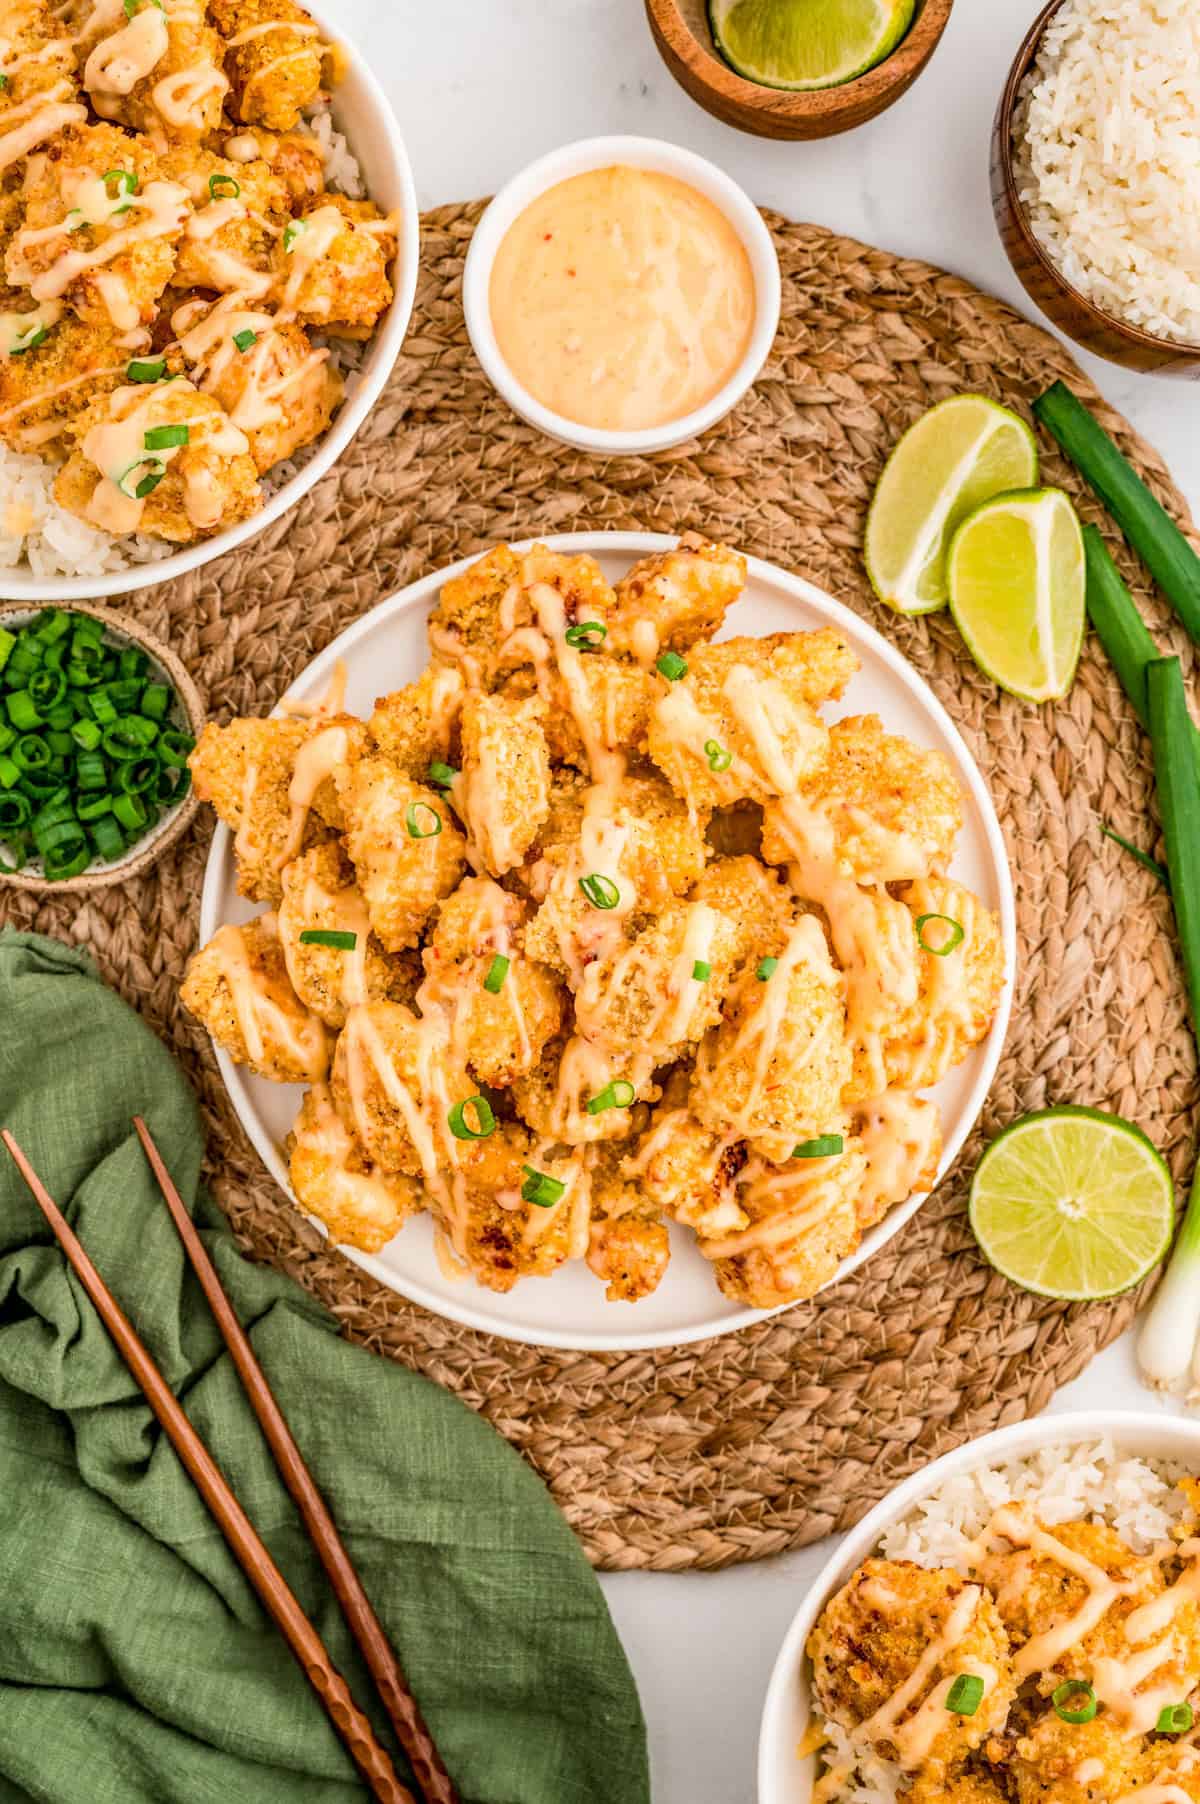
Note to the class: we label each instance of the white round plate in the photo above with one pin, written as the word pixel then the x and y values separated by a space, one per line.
pixel 784 1777
pixel 386 649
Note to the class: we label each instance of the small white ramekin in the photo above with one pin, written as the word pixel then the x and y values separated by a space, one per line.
pixel 578 159
pixel 784 1776
pixel 360 110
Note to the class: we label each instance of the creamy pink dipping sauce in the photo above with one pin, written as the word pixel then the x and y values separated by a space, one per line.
pixel 622 299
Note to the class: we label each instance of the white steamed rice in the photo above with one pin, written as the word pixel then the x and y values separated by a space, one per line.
pixel 41 538
pixel 1136 1497
pixel 1107 157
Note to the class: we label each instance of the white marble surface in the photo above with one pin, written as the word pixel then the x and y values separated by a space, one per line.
pixel 481 87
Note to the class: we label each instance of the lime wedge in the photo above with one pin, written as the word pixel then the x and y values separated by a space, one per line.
pixel 1017 580
pixel 961 453
pixel 1072 1203
pixel 807 43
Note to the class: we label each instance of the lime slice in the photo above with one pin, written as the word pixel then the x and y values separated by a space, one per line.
pixel 961 453
pixel 1017 579
pixel 1074 1204
pixel 807 43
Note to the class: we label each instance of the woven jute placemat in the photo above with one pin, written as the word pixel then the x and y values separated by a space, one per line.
pixel 767 1439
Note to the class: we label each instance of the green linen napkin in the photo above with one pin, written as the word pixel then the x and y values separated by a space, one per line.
pixel 136 1665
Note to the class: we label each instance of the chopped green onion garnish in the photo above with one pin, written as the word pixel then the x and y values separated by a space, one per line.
pixel 75 220
pixel 618 1095
pixel 600 891
pixel 131 6
pixel 766 967
pixel 1081 1712
pixel 701 971
pixel 718 758
pixel 293 232
pixel 586 634
pixel 965 1695
pixel 417 816
pixel 36 338
pixel 244 340
pixel 224 187
pixel 825 1146
pixel 166 438
pixel 138 491
pixel 672 666
pixel 329 936
pixel 7 642
pixel 461 1128
pixel 541 1189
pixel 1176 1719
pixel 442 775
pixel 3 83
pixel 497 972
pixel 22 710
pixel 147 369
pixel 130 811
pixel 954 938
pixel 126 183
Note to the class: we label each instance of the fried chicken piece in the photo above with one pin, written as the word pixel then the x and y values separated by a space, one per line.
pixel 1047 1760
pixel 296 159
pixel 661 993
pixel 276 387
pixel 901 1139
pixel 476 941
pixel 672 599
pixel 334 1180
pixel 507 613
pixel 1169 1763
pixel 742 725
pixel 501 1236
pixel 40 96
pixel 52 366
pixel 802 1221
pixel 247 770
pixel 773 1072
pixel 894 809
pixel 101 227
pixel 552 1099
pixel 503 792
pixel 403 843
pixel 238 987
pixel 968 1786
pixel 686 1170
pixel 602 710
pixel 273 55
pixel 320 892
pixel 417 726
pixel 395 1078
pixel 330 267
pixel 170 436
pixel 873 1635
pixel 467 627
pixel 155 70
pixel 629 1247
pixel 760 906
pixel 239 211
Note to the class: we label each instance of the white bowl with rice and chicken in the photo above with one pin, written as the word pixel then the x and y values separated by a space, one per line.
pixel 206 283
pixel 1021 1619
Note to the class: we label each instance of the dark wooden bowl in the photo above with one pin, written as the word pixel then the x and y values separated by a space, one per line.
pixel 682 33
pixel 1072 312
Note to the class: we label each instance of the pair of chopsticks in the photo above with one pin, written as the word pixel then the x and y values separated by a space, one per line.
pixel 367 1752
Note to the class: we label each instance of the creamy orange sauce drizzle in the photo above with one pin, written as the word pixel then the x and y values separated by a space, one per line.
pixel 338 911
pixel 116 444
pixel 259 1012
pixel 914 1737
pixel 622 299
pixel 158 211
pixel 48 116
pixel 899 1134
pixel 333 701
pixel 365 1194
pixel 316 762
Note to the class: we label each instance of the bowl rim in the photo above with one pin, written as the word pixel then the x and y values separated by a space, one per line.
pixel 1127 1428
pixel 174 823
pixel 926 31
pixel 375 118
pixel 1164 349
pixel 578 158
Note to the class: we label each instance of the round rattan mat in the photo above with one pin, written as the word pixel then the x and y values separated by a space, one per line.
pixel 768 1439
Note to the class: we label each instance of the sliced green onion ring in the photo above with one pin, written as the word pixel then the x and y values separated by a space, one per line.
pixel 957 935
pixel 965 1695
pixel 620 1094
pixel 245 340
pixel 587 634
pixel 329 936
pixel 672 666
pixel 1074 1688
pixel 825 1146
pixel 146 369
pixel 223 187
pixel 541 1189
pixel 766 968
pixel 167 438
pixel 701 971
pixel 156 469
pixel 497 972
pixel 37 337
pixel 293 232
pixel 600 891
pixel 442 775
pixel 414 817
pixel 1176 1719
pixel 461 1128
pixel 718 757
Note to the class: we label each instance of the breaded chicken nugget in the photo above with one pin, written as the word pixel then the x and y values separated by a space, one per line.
pixel 803 1222
pixel 671 599
pixel 156 69
pixel 740 726
pixel 334 1180
pixel 894 809
pixel 330 267
pixel 240 210
pixel 960 983
pixel 51 369
pixel 629 1247
pixel 774 1071
pixel 499 1234
pixel 238 987
pixel 553 1099
pixel 687 1170
pixel 661 993
pixel 320 894
pixel 273 54
pixel 417 726
pixel 395 1078
pixel 468 626
pixel 596 707
pixel 901 1139
pixel 757 902
pixel 503 792
pixel 403 843
pixel 506 1008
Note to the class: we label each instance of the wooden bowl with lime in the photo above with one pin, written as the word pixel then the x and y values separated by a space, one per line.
pixel 797 68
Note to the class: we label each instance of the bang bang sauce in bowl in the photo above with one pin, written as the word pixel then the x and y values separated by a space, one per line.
pixel 622 295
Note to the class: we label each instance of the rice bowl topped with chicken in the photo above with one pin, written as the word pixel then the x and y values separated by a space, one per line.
pixel 201 297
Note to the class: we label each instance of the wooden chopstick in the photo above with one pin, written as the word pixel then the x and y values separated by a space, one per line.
pixel 368 1754
pixel 402 1708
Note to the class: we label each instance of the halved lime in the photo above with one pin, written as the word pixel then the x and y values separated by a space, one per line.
pixel 807 43
pixel 1072 1203
pixel 961 453
pixel 1017 581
